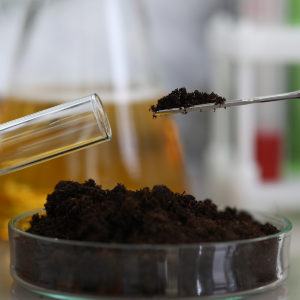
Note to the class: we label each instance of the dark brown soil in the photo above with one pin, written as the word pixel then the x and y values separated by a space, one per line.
pixel 180 98
pixel 86 212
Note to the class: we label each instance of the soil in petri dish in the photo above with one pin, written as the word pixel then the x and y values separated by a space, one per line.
pixel 180 98
pixel 86 212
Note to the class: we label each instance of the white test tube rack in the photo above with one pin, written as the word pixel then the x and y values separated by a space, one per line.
pixel 232 169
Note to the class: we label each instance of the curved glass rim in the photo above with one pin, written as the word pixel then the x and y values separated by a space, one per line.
pixel 147 246
pixel 101 116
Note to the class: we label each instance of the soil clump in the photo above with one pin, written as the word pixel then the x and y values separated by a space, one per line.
pixel 86 212
pixel 181 98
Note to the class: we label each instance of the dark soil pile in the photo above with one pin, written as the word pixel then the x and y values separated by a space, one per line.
pixel 86 212
pixel 181 98
pixel 89 213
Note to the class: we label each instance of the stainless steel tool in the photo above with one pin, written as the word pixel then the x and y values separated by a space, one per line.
pixel 230 103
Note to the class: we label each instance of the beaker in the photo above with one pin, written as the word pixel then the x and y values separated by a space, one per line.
pixel 69 49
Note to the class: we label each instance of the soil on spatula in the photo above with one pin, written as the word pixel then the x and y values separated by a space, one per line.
pixel 180 98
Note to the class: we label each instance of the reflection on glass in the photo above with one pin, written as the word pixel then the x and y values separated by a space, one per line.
pixel 75 268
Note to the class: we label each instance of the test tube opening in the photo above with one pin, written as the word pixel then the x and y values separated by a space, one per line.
pixel 101 116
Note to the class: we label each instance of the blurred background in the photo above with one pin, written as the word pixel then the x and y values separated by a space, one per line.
pixel 135 51
pixel 132 53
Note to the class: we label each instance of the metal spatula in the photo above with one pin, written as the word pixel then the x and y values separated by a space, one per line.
pixel 230 103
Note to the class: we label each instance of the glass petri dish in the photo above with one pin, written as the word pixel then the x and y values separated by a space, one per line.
pixel 84 270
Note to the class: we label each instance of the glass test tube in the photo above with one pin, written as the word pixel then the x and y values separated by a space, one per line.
pixel 53 132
